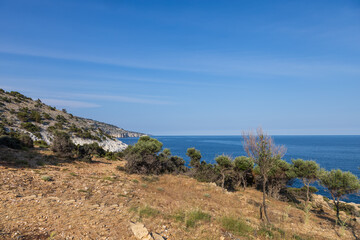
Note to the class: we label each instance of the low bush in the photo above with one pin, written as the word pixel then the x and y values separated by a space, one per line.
pixel 47 178
pixel 348 209
pixel 47 116
pixel 2 130
pixel 300 193
pixel 236 226
pixel 10 142
pixel 41 144
pixel 144 158
pixel 145 212
pixel 26 141
pixel 193 217
pixel 148 212
pixel 62 144
pixel 86 151
pixel 30 127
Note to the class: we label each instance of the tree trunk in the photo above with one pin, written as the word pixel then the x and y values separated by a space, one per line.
pixel 244 182
pixel 264 201
pixel 307 194
pixel 338 211
pixel 223 180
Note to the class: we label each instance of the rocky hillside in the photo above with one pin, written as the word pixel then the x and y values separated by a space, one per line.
pixel 40 121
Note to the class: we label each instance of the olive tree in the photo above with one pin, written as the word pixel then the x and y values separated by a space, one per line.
pixel 280 175
pixel 339 184
pixel 308 172
pixel 262 150
pixel 195 157
pixel 242 166
pixel 224 165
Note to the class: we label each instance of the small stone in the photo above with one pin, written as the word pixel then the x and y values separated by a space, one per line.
pixel 29 197
pixel 139 230
pixel 69 201
pixel 54 198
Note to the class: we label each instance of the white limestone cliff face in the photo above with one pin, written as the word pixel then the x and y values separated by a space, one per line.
pixel 108 144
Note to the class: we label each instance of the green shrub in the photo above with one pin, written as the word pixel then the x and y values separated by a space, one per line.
pixel 236 226
pixel 10 142
pixel 87 150
pixel 148 212
pixel 61 119
pixel 120 168
pixel 300 193
pixel 18 95
pixel 348 209
pixel 41 144
pixel 26 141
pixel 201 170
pixel 47 178
pixel 144 158
pixel 52 129
pixel 35 116
pixel 2 130
pixel 58 126
pixel 266 232
pixel 193 217
pixel 111 156
pixel 23 116
pixel 30 127
pixel 62 144
pixel 6 99
pixel 47 116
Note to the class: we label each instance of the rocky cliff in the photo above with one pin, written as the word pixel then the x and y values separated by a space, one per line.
pixel 40 121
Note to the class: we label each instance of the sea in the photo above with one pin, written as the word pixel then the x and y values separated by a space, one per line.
pixel 331 152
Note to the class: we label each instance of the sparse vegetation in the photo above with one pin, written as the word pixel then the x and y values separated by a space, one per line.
pixel 47 178
pixel 236 226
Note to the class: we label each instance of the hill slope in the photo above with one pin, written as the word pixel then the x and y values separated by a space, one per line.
pixel 20 113
pixel 79 200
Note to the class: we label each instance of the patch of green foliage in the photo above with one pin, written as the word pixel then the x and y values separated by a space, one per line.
pixel 193 217
pixel 236 226
pixel 41 144
pixel 47 178
pixel 30 127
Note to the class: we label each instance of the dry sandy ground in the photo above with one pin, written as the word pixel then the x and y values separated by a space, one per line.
pixel 97 201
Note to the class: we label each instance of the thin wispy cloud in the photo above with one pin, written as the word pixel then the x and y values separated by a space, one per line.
pixel 252 65
pixel 69 103
pixel 62 98
pixel 125 99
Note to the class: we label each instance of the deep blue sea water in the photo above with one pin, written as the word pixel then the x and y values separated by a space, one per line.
pixel 331 152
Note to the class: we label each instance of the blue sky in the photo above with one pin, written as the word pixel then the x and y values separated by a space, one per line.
pixel 189 67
